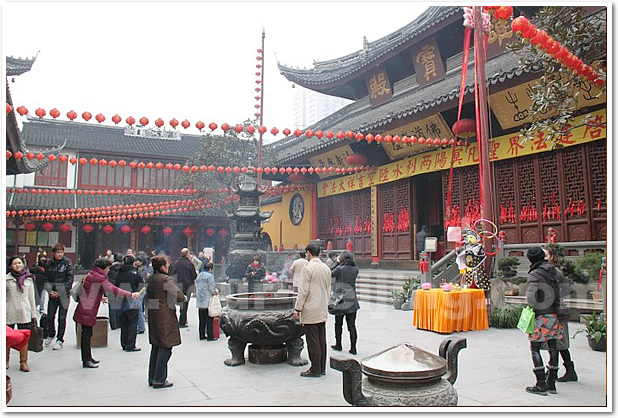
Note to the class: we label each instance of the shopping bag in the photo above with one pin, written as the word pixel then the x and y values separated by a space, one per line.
pixel 76 289
pixel 36 337
pixel 214 307
pixel 526 320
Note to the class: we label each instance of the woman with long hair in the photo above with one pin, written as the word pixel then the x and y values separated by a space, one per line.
pixel 345 273
pixel 20 303
pixel 163 329
pixel 95 285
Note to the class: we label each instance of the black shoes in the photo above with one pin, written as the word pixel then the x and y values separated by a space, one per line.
pixel 95 361
pixel 89 365
pixel 167 384
pixel 537 389
pixel 336 347
pixel 134 349
pixel 307 373
pixel 352 350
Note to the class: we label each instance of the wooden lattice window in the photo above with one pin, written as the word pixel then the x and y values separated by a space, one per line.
pixel 598 172
pixel 527 182
pixel 52 175
pixel 575 176
pixel 549 179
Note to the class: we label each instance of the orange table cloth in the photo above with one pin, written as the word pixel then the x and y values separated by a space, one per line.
pixel 446 312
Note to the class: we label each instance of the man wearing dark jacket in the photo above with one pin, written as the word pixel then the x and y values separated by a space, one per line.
pixel 58 283
pixel 129 280
pixel 185 279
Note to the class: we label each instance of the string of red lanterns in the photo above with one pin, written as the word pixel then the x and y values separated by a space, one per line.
pixel 186 168
pixel 251 129
pixel 540 39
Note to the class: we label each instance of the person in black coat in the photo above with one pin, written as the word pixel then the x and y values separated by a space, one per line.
pixel 543 296
pixel 255 274
pixel 128 279
pixel 185 273
pixel 114 304
pixel 345 273
pixel 235 272
pixel 58 283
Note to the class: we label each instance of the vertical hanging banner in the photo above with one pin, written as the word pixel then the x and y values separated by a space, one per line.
pixel 427 62
pixel 374 221
pixel 378 86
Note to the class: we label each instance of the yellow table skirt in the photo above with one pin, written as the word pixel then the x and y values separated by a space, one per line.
pixel 446 312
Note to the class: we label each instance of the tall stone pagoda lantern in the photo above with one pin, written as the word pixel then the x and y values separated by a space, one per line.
pixel 247 241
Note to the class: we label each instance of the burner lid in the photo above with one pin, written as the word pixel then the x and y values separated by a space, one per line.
pixel 404 362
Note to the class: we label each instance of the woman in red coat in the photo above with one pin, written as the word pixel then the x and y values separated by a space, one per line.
pixel 95 285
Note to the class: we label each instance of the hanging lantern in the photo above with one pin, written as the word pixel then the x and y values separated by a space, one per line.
pixel 200 125
pixel 40 112
pixel 125 229
pixel 210 232
pixel 130 121
pixel 108 229
pixel 29 226
pixel 116 119
pixel 9 108
pixel 88 228
pixel 87 116
pixel 47 227
pixel 65 227
pixel 167 231
pixel 54 113
pixel 100 118
pixel 144 121
pixel 465 128
pixel 223 232
pixel 356 159
pixel 187 231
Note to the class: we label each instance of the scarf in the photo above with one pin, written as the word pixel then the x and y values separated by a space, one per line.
pixel 21 278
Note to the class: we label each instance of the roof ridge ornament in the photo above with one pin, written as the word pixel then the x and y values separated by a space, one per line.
pixel 365 51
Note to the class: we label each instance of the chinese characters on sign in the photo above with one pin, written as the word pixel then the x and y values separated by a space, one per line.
pixel 501 34
pixel 427 62
pixel 501 148
pixel 335 158
pixel 431 127
pixel 379 87
pixel 511 106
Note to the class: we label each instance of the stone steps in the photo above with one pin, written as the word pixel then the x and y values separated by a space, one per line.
pixel 373 285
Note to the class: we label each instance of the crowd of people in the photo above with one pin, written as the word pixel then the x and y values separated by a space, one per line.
pixel 139 288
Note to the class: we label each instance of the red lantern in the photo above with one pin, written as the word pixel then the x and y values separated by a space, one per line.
pixel 225 127
pixel 144 121
pixel 145 230
pixel 87 116
pixel 9 109
pixel 356 159
pixel 185 123
pixel 47 227
pixel 22 110
pixel 286 131
pixel 130 121
pixel 100 118
pixel 187 231
pixel 223 232
pixel 125 229
pixel 40 112
pixel 108 229
pixel 210 232
pixel 200 125
pixel 465 128
pixel 274 131
pixel 65 227
pixel 54 113
pixel 167 231
pixel 29 226
pixel 88 228
pixel 116 119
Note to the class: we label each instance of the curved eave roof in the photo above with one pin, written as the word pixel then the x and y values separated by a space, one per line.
pixel 325 73
pixel 18 66
pixel 361 117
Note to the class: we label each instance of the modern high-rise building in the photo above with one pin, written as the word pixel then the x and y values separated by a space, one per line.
pixel 311 106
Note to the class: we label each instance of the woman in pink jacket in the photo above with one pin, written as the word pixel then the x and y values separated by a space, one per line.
pixel 94 286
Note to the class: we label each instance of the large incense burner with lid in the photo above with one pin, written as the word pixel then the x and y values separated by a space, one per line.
pixel 402 375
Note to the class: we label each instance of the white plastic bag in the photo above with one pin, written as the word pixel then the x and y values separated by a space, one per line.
pixel 214 307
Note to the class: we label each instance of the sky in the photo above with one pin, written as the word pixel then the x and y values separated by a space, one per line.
pixel 183 60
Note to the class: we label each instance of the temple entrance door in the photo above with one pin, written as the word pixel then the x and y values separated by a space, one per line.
pixel 429 208
pixel 87 252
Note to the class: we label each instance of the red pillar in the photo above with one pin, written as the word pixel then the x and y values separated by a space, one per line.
pixel 314 213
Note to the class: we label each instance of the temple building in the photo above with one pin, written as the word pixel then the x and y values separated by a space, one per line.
pixel 407 84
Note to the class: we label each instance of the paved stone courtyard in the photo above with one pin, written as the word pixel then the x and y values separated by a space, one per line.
pixel 493 372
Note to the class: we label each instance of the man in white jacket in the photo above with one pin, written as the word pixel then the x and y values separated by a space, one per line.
pixel 312 309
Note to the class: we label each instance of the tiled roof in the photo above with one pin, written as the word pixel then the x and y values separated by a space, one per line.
pixel 17 201
pixel 17 66
pixel 327 72
pixel 92 137
pixel 361 117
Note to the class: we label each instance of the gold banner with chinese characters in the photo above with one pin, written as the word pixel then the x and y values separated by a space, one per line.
pixel 335 158
pixel 502 148
pixel 431 127
pixel 511 105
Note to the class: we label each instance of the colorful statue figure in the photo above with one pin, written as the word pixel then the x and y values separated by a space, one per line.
pixel 474 257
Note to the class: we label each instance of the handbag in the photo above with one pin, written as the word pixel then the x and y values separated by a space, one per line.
pixel 214 307
pixel 76 289
pixel 336 305
pixel 36 337
pixel 526 320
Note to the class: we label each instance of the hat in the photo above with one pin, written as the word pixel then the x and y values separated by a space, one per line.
pixel 143 258
pixel 535 254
